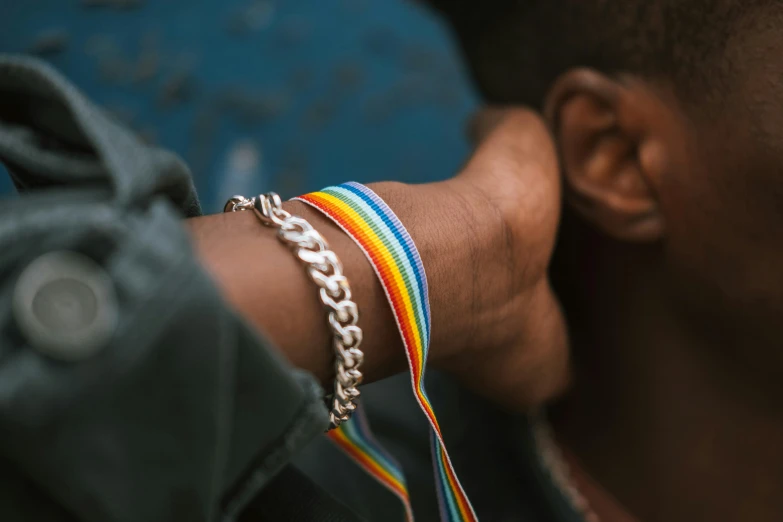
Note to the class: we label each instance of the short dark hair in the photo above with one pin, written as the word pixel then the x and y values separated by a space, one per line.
pixel 517 48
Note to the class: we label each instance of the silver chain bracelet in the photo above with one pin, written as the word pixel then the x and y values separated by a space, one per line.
pixel 325 269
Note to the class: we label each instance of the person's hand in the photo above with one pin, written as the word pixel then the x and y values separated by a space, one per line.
pixel 496 323
pixel 485 237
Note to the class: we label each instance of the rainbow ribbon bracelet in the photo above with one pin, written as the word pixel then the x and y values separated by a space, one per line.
pixel 380 234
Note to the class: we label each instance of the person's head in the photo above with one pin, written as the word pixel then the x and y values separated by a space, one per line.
pixel 668 115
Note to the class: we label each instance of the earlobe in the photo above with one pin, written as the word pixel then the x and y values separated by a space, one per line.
pixel 605 181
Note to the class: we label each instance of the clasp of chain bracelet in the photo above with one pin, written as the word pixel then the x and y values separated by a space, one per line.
pixel 268 208
pixel 325 269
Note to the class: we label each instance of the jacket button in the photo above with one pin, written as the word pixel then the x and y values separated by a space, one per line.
pixel 65 305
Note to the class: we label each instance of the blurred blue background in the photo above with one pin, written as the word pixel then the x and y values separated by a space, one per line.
pixel 285 95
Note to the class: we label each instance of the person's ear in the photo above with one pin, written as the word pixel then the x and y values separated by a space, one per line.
pixel 600 134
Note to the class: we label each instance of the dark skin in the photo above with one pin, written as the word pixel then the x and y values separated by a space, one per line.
pixel 485 237
pixel 672 250
pixel 676 407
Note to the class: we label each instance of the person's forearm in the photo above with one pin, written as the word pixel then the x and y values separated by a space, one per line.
pixel 263 280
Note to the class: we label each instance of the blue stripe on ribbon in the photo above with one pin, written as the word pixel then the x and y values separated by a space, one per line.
pixel 395 228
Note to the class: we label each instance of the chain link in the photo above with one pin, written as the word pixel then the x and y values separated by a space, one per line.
pixel 324 268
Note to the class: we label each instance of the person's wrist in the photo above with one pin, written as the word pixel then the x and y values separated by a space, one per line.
pixel 454 238
pixel 485 284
